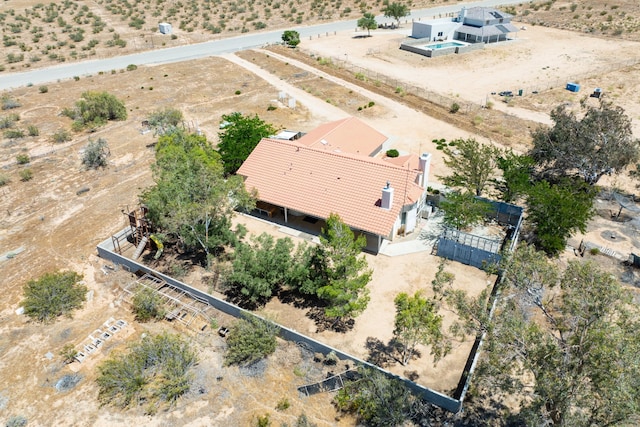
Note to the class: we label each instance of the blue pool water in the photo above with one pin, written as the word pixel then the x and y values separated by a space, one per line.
pixel 443 45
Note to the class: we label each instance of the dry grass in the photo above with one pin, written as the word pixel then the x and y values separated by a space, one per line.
pixel 37 34
pixel 613 18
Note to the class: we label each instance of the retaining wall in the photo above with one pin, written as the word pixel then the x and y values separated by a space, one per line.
pixel 106 251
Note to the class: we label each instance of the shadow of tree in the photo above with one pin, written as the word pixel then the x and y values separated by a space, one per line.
pixel 324 323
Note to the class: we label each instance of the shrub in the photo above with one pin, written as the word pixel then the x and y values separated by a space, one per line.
pixel 9 103
pixel 95 109
pixel 250 340
pixel 33 130
pixel 148 305
pixel 283 404
pixel 455 107
pixel 43 89
pixel 95 154
pixel 61 136
pixel 4 179
pixel 26 175
pixel 132 67
pixel 155 370
pixel 17 421
pixel 23 159
pixel 53 295
pixel 163 120
pixel 371 104
pixel 271 107
pixel 393 153
pixel 14 133
pixel 238 92
pixel 68 353
pixel 6 122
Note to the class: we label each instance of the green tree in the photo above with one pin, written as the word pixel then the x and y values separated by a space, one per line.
pixel 598 143
pixel 291 38
pixel 95 154
pixel 557 211
pixel 516 175
pixel 147 305
pixel 250 340
pixel 260 269
pixel 95 109
pixel 464 210
pixel 239 137
pixel 472 165
pixel 165 120
pixel 53 295
pixel 396 11
pixel 309 270
pixel 378 400
pixel 565 343
pixel 417 322
pixel 154 371
pixel 191 198
pixel 68 353
pixel 368 22
pixel 345 292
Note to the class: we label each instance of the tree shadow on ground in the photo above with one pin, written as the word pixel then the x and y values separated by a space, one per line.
pixel 298 300
pixel 324 323
pixel 384 355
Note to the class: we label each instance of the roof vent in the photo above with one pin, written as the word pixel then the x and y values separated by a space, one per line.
pixel 324 141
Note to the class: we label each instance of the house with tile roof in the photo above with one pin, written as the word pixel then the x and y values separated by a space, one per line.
pixel 375 197
pixel 473 25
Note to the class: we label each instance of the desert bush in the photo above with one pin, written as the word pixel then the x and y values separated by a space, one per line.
pixel 26 175
pixel 7 121
pixel 95 109
pixel 61 136
pixel 68 353
pixel 455 107
pixel 132 67
pixel 12 58
pixel 155 370
pixel 9 103
pixel 23 159
pixel 53 295
pixel 95 154
pixel 263 420
pixel 13 133
pixel 147 305
pixel 43 89
pixel 283 404
pixel 250 340
pixel 17 421
pixel 4 179
pixel 163 120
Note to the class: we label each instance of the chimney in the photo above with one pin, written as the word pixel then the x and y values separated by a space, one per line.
pixel 424 165
pixel 462 14
pixel 387 197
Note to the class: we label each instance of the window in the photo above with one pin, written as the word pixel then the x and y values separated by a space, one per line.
pixel 440 34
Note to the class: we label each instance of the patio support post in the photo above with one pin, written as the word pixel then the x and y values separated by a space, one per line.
pixel 285 215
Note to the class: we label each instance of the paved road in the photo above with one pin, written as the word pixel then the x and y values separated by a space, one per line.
pixel 201 50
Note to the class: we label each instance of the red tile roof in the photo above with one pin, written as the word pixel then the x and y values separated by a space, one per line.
pixel 348 135
pixel 318 183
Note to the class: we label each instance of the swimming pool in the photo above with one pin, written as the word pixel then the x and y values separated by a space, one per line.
pixel 445 45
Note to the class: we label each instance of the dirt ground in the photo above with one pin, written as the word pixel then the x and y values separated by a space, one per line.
pixel 48 223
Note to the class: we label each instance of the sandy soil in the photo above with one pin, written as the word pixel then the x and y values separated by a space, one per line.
pixel 539 59
pixel 58 228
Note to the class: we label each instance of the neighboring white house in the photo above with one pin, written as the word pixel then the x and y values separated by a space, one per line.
pixel 474 25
